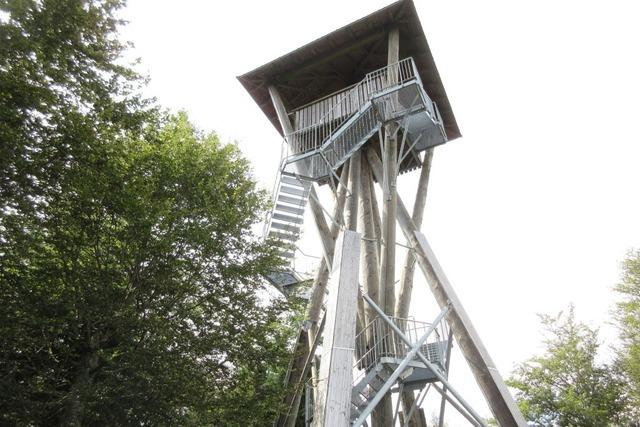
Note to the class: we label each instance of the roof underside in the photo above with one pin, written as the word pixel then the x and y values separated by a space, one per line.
pixel 343 57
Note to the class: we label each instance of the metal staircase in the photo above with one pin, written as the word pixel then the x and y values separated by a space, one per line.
pixel 381 352
pixel 284 224
pixel 363 392
pixel 323 142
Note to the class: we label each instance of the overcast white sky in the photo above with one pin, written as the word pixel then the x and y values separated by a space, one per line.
pixel 538 202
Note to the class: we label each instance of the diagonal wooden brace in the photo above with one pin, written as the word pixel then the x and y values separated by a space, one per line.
pixel 487 376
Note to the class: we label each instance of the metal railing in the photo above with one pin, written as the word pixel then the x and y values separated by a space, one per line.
pixel 320 119
pixel 378 340
pixel 309 114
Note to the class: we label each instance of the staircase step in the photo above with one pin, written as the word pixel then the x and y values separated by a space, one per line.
pixel 286 254
pixel 287 218
pixel 296 191
pixel 285 227
pixel 359 401
pixel 283 236
pixel 377 383
pixel 293 200
pixel 287 213
pixel 296 182
pixel 289 209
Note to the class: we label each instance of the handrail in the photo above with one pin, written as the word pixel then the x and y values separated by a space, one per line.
pixel 377 340
pixel 311 137
pixel 316 101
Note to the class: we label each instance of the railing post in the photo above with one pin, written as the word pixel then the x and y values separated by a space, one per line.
pixel 415 71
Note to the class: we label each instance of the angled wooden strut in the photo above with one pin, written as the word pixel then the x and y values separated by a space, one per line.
pixel 487 376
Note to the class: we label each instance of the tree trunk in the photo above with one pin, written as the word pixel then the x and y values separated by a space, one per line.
pixel 74 402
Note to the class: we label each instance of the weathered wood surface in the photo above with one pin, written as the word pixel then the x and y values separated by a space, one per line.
pixel 369 261
pixel 333 403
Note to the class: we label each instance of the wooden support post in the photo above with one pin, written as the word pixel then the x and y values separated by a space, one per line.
pixel 393 52
pixel 333 403
pixel 389 203
pixel 383 415
pixel 377 223
pixel 389 194
pixel 351 214
pixel 351 217
pixel 281 111
pixel 406 278
pixel 369 261
pixel 487 376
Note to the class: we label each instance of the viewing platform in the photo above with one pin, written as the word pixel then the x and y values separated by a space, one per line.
pixel 328 131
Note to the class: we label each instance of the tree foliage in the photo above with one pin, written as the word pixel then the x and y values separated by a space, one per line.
pixel 627 315
pixel 59 84
pixel 130 283
pixel 566 386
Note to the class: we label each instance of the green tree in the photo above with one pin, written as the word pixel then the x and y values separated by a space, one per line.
pixel 60 82
pixel 131 288
pixel 135 298
pixel 565 386
pixel 627 315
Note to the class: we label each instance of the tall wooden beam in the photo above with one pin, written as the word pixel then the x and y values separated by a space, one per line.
pixel 406 279
pixel 281 111
pixel 351 217
pixel 383 415
pixel 389 147
pixel 389 195
pixel 393 52
pixel 484 370
pixel 369 261
pixel 351 214
pixel 377 223
pixel 333 403
pixel 389 203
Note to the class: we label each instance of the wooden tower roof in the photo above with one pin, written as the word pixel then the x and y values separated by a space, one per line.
pixel 343 57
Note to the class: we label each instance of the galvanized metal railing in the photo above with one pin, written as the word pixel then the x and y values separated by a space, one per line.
pixel 378 340
pixel 316 122
pixel 309 114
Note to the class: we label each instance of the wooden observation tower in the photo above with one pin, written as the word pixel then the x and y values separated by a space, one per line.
pixel 357 108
